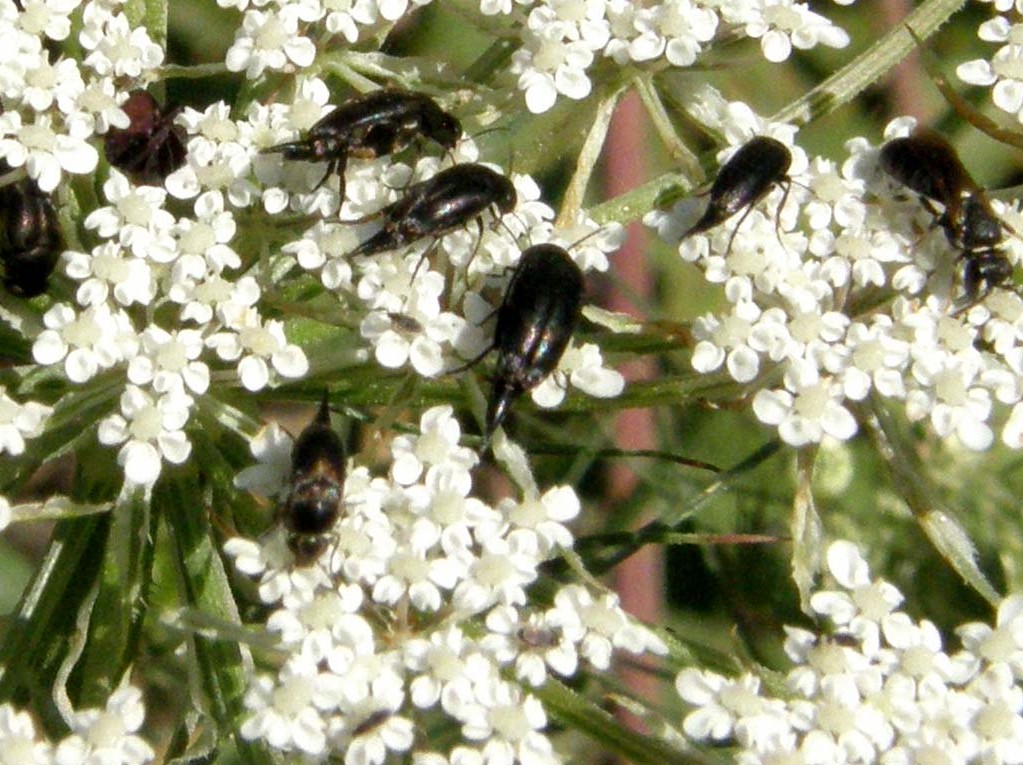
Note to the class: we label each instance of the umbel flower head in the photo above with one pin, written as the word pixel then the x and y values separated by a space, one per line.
pixel 419 607
pixel 871 685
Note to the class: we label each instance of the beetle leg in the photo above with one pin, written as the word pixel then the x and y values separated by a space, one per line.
pixel 777 212
pixel 471 363
pixel 476 247
pixel 422 258
pixel 336 164
pixel 735 231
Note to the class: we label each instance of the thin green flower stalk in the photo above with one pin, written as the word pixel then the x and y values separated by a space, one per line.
pixel 215 218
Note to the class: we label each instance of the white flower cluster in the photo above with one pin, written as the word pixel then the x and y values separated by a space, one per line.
pixel 1003 72
pixel 97 735
pixel 875 687
pixel 148 258
pixel 282 35
pixel 413 312
pixel 52 108
pixel 562 38
pixel 848 290
pixel 20 421
pixel 418 608
pixel 164 297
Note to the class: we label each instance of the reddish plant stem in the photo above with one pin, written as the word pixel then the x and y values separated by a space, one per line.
pixel 639 579
pixel 905 85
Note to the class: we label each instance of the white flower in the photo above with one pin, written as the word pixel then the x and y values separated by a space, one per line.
pixel 583 366
pixel 18 740
pixel 504 567
pixel 415 573
pixel 437 444
pixel 48 18
pixel 1002 644
pixel 168 361
pixel 867 604
pixel 809 408
pixel 344 17
pixel 598 625
pixel 509 722
pixel 674 29
pixel 116 48
pixel 44 152
pixel 152 431
pixel 107 270
pixel 135 218
pixel 545 515
pixel 219 157
pixel 739 339
pixel 95 339
pixel 255 343
pixel 271 447
pixel 108 735
pixel 1003 70
pixel 549 63
pixel 728 708
pixel 20 421
pixel 870 695
pixel 269 40
pixel 782 24
pixel 955 404
pixel 287 714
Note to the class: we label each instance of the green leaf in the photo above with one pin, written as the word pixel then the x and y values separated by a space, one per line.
pixel 222 667
pixel 120 603
pixel 39 632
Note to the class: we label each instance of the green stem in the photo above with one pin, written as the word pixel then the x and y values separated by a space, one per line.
pixel 39 631
pixel 911 480
pixel 868 67
pixel 223 666
pixel 492 60
pixel 806 529
pixel 680 153
pixel 634 204
pixel 594 548
pixel 193 71
pixel 587 160
pixel 120 604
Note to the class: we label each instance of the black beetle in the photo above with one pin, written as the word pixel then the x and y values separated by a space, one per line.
pixel 152 146
pixel 440 204
pixel 927 164
pixel 369 126
pixel 30 237
pixel 744 180
pixel 314 500
pixel 535 321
